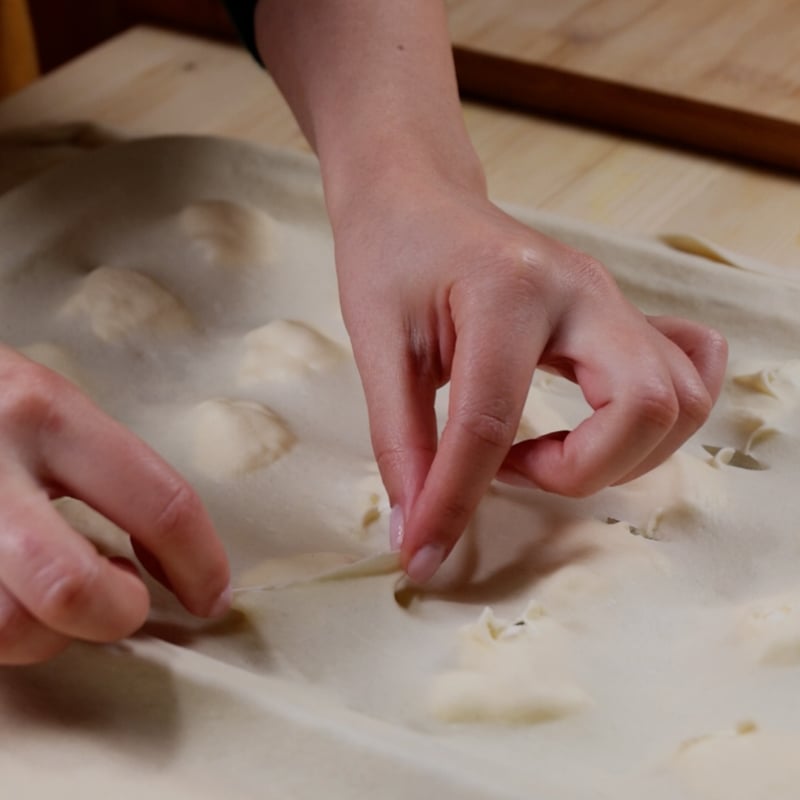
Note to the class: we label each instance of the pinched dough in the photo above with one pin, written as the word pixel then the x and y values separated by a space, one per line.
pixel 509 672
pixel 121 303
pixel 234 437
pixel 285 350
pixel 766 401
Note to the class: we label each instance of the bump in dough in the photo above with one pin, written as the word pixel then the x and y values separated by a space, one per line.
pixel 121 303
pixel 235 437
pixel 285 350
pixel 508 672
pixel 230 234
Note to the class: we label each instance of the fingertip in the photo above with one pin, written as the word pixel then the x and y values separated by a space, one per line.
pixel 424 564
pixel 222 605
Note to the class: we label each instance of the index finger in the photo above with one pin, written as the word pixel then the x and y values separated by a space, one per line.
pixel 100 462
pixel 491 375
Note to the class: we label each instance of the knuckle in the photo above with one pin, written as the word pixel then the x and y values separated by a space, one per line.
pixel 390 459
pixel 178 514
pixel 67 592
pixel 453 515
pixel 696 404
pixel 29 394
pixel 657 405
pixel 493 428
pixel 590 271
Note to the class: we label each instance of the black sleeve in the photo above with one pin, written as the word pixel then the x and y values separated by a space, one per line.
pixel 242 13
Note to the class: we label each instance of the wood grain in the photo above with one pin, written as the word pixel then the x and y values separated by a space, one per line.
pixel 705 74
pixel 742 54
pixel 628 109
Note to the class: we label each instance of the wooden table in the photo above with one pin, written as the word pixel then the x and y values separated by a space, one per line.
pixel 148 81
pixel 721 76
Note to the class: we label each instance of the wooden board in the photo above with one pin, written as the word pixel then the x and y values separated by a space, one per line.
pixel 721 75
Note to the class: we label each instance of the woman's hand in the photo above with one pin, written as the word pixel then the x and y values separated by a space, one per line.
pixel 437 284
pixel 54 585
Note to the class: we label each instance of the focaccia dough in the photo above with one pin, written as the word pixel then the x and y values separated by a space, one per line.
pixel 658 611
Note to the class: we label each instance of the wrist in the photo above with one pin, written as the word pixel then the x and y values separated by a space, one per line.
pixel 394 168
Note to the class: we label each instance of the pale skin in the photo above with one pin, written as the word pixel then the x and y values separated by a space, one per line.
pixel 436 284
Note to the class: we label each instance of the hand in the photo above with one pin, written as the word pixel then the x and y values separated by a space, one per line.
pixel 438 284
pixel 54 586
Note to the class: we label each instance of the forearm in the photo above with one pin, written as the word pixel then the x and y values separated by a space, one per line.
pixel 372 85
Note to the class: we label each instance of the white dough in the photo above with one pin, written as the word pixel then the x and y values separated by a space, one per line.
pixel 235 437
pixel 231 234
pixel 285 350
pixel 769 629
pixel 122 303
pixel 741 764
pixel 657 611
pixel 509 673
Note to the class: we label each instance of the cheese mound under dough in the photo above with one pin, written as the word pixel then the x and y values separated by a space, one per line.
pixel 230 234
pixel 285 350
pixel 508 672
pixel 122 303
pixel 234 437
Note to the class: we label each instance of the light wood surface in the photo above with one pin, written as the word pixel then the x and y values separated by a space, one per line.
pixel 716 76
pixel 739 53
pixel 149 81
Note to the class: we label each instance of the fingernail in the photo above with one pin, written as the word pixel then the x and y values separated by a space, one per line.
pixel 425 562
pixel 396 530
pixel 223 604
